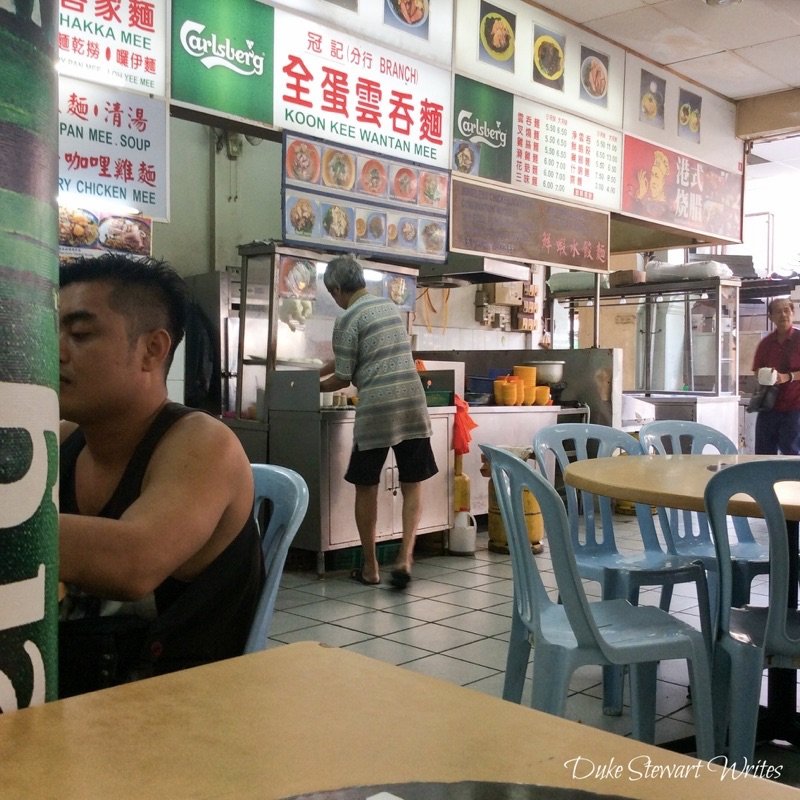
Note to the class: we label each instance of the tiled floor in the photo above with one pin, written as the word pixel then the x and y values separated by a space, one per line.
pixel 453 622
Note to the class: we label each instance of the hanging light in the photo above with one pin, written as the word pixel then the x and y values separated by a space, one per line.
pixel 722 2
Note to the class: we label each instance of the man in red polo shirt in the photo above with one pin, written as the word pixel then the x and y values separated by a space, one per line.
pixel 778 429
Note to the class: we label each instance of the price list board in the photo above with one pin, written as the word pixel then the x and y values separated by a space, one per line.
pixel 565 156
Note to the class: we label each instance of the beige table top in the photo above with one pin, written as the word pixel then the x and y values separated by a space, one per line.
pixel 671 481
pixel 304 717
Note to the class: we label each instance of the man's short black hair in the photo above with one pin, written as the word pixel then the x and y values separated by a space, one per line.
pixel 147 291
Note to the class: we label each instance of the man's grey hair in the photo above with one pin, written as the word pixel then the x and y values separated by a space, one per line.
pixel 345 274
pixel 775 300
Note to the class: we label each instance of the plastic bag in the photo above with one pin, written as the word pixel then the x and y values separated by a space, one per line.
pixel 764 399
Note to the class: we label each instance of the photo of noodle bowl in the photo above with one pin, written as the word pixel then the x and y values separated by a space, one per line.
pixel 337 222
pixel 594 77
pixel 126 234
pixel 302 215
pixel 76 227
pixel 497 36
pixel 433 237
pixel 409 12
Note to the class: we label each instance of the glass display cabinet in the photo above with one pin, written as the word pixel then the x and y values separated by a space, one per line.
pixel 677 337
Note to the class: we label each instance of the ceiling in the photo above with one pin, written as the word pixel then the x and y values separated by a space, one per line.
pixel 742 50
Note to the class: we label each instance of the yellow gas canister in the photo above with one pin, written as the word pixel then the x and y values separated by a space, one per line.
pixel 461 487
pixel 498 541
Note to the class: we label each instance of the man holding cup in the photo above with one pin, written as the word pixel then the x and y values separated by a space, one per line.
pixel 777 362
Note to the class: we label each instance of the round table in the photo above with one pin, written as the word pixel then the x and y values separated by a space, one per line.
pixel 676 481
pixel 679 481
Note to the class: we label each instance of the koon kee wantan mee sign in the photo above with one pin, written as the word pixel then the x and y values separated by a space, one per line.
pixel 333 86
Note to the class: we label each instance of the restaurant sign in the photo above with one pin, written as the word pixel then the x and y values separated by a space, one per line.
pixel 222 57
pixel 120 43
pixel 334 86
pixel 505 223
pixel 112 149
pixel 675 190
pixel 534 147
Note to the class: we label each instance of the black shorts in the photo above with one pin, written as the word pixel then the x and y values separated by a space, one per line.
pixel 414 457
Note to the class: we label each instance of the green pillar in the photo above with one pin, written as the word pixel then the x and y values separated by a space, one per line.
pixel 28 355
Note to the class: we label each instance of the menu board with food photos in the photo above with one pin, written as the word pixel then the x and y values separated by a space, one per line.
pixel 524 50
pixel 341 198
pixel 91 233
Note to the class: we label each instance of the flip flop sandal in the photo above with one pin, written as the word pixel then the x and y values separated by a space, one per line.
pixel 400 578
pixel 358 575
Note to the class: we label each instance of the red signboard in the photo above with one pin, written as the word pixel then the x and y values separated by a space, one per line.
pixel 676 190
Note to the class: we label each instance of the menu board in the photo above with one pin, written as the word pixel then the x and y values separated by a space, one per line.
pixel 342 198
pixel 112 149
pixel 91 233
pixel 674 189
pixel 531 53
pixel 493 221
pixel 660 107
pixel 534 147
pixel 114 43
pixel 565 156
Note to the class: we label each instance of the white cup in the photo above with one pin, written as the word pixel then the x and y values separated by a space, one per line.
pixel 326 399
pixel 767 376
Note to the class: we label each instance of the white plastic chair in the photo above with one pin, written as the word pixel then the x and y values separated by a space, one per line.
pixel 287 493
pixel 620 574
pixel 687 532
pixel 576 632
pixel 751 638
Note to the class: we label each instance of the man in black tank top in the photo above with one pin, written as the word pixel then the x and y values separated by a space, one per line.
pixel 160 556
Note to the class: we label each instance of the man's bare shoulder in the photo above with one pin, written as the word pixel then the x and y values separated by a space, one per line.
pixel 203 430
pixel 199 441
pixel 66 428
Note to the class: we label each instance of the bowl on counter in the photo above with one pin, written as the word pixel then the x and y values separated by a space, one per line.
pixel 548 372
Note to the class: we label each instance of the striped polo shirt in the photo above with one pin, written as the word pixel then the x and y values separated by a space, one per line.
pixel 372 351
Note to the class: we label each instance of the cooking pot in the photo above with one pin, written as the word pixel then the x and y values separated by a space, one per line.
pixel 547 372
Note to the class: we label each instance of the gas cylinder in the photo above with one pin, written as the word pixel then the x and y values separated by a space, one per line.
pixel 461 488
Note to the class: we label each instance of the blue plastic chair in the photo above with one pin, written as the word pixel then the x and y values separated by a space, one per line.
pixel 576 632
pixel 287 493
pixel 751 638
pixel 687 532
pixel 620 575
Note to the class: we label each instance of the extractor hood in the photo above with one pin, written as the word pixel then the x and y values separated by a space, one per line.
pixel 461 269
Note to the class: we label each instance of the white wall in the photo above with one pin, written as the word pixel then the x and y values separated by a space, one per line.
pixel 217 203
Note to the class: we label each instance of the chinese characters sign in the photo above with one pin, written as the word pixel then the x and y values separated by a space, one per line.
pixel 114 42
pixel 111 148
pixel 670 188
pixel 562 155
pixel 491 221
pixel 533 147
pixel 336 87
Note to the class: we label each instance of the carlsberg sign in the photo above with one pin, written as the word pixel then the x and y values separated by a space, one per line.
pixel 213 67
pixel 215 52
